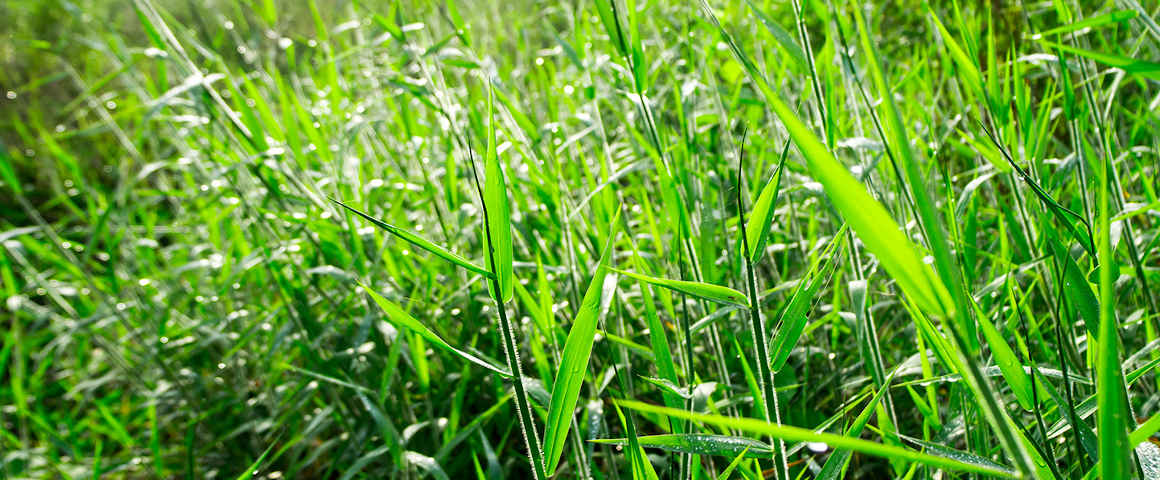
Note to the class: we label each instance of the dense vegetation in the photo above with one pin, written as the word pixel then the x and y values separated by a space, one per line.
pixel 609 238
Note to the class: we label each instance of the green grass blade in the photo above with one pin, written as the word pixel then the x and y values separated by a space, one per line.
pixel 837 462
pixel 699 444
pixel 1113 414
pixel 707 291
pixel 780 34
pixel 732 465
pixel 1008 363
pixel 972 78
pixel 574 360
pixel 419 241
pixel 499 211
pixel 793 318
pixel 1117 16
pixel 839 442
pixel 869 219
pixel 1142 68
pixel 761 217
pixel 399 317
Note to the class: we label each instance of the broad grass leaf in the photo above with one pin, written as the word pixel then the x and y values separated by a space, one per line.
pixel 499 222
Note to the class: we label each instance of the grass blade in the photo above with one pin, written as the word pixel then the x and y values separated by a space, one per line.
pixel 399 317
pixel 418 241
pixel 700 444
pixel 839 442
pixel 499 211
pixel 707 291
pixel 574 361
pixel 757 230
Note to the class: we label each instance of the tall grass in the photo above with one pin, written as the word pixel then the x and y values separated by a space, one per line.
pixel 608 239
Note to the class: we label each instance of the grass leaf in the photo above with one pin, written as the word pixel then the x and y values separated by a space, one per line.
pixel 574 359
pixel 419 241
pixel 795 434
pixel 399 317
pixel 495 198
pixel 707 291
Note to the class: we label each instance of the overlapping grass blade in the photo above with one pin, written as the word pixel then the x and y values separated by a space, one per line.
pixel 495 196
pixel 574 359
pixel 792 319
pixel 795 434
pixel 865 215
pixel 418 241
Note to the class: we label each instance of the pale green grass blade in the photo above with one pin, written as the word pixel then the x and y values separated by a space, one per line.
pixel 1117 16
pixel 780 34
pixel 1142 68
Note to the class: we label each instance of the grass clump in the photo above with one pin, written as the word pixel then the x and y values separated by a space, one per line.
pixel 609 239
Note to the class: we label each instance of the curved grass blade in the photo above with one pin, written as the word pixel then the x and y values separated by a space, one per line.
pixel 699 444
pixel 574 360
pixel 795 434
pixel 499 211
pixel 399 317
pixel 757 229
pixel 418 241
pixel 707 291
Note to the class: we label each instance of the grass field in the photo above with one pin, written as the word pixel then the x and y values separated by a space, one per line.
pixel 603 239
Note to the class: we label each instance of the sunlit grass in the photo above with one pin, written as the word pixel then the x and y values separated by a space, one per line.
pixel 607 239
